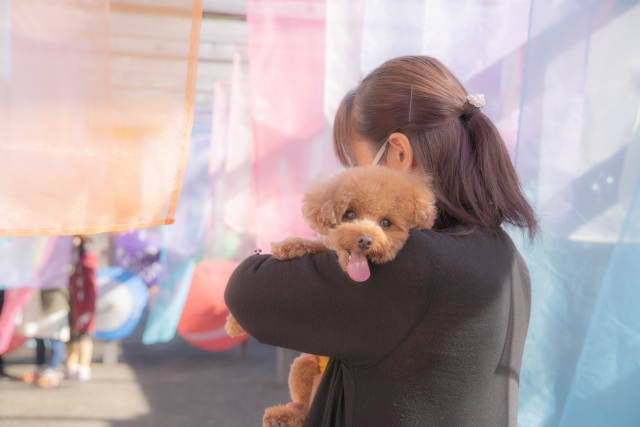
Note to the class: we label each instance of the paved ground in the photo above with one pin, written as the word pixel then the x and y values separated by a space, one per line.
pixel 164 385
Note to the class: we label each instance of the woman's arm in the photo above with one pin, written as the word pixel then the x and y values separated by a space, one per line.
pixel 309 304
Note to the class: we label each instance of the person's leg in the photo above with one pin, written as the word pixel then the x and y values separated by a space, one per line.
pixel 57 354
pixel 86 354
pixel 86 350
pixel 3 375
pixel 51 376
pixel 73 355
pixel 40 352
pixel 33 375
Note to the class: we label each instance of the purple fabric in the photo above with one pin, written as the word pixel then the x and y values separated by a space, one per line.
pixel 138 252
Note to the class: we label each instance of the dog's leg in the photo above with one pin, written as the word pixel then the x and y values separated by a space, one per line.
pixel 232 327
pixel 303 379
pixel 302 375
pixel 294 247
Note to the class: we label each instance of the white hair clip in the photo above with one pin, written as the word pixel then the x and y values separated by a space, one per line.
pixel 477 100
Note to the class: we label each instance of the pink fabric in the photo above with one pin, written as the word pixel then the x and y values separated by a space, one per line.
pixel 14 302
pixel 286 57
pixel 238 208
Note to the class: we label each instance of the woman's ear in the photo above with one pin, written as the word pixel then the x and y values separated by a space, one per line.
pixel 399 154
pixel 321 207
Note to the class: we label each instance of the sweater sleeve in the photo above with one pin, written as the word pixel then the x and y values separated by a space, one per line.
pixel 309 304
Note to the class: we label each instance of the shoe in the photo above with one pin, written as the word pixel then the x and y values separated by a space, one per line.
pixel 49 378
pixel 30 377
pixel 84 373
pixel 71 373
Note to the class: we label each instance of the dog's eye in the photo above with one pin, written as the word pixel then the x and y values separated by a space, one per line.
pixel 385 223
pixel 350 215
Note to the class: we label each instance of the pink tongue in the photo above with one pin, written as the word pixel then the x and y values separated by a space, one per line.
pixel 358 267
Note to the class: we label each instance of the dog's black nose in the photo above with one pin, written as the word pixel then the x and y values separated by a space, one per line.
pixel 365 242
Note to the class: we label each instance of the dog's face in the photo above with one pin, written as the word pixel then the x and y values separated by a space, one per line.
pixel 367 212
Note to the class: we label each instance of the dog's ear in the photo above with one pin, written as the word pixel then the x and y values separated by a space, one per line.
pixel 322 205
pixel 425 203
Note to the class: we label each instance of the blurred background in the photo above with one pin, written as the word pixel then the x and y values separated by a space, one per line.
pixel 179 135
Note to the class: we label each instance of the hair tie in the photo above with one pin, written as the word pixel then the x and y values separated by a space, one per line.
pixel 476 101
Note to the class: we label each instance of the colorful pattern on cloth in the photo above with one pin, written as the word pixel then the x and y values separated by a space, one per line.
pixel 183 242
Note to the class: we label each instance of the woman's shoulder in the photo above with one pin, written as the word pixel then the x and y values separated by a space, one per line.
pixel 480 251
pixel 461 239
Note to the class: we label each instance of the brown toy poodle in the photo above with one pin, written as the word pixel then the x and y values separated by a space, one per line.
pixel 363 214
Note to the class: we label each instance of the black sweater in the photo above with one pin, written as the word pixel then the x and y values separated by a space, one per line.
pixel 433 338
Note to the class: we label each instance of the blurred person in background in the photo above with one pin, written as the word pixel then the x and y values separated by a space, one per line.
pixel 46 318
pixel 82 290
pixel 3 374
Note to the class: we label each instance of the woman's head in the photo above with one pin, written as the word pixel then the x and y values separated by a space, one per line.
pixel 416 104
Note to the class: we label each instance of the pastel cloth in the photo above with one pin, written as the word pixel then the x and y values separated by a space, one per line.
pixel 182 244
pixel 292 140
pixel 38 262
pixel 96 107
pixel 578 157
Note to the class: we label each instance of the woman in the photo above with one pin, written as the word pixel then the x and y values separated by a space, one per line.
pixel 82 289
pixel 435 337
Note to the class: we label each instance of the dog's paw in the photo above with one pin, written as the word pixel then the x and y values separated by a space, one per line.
pixel 295 247
pixel 232 327
pixel 284 416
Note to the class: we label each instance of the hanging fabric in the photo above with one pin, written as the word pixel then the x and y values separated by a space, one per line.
pixel 96 107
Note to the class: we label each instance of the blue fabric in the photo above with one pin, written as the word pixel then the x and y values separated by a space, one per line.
pixel 114 279
pixel 578 156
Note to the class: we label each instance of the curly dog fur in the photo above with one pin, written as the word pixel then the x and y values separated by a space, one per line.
pixel 361 212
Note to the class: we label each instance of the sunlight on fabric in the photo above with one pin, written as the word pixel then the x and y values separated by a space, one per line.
pixel 578 156
pixel 486 52
pixel 292 141
pixel 96 104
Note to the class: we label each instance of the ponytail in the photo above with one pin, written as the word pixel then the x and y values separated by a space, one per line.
pixel 503 201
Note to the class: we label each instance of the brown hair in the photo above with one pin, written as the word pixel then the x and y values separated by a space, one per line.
pixel 474 179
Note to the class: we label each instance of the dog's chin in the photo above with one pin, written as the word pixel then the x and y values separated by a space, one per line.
pixel 358 266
